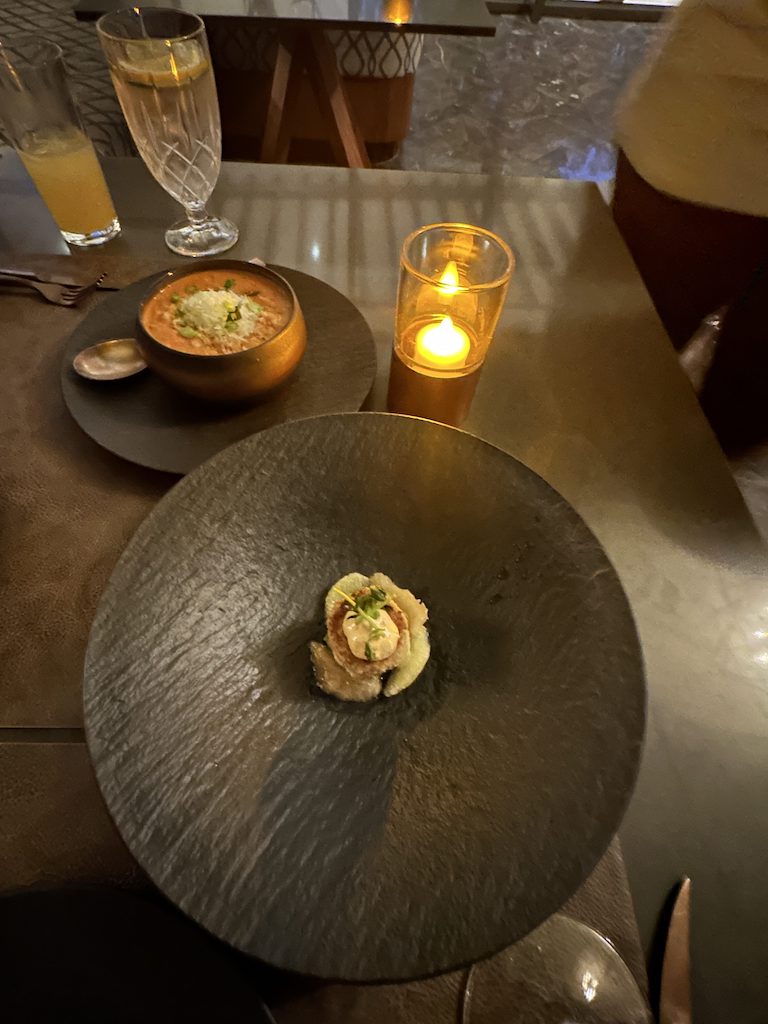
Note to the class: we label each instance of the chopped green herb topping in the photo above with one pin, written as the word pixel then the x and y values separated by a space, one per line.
pixel 367 606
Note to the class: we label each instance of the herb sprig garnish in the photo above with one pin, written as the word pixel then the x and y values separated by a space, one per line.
pixel 232 317
pixel 367 606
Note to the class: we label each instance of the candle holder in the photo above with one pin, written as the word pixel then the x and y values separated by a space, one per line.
pixel 453 282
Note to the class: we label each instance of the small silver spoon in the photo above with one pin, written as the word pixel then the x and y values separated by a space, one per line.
pixel 109 360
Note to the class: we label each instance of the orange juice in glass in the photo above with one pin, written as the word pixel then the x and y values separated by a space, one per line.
pixel 42 120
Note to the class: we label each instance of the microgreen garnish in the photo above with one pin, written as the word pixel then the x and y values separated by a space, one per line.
pixel 229 283
pixel 175 298
pixel 368 652
pixel 373 601
pixel 367 606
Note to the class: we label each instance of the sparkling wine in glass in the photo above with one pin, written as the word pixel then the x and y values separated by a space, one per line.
pixel 161 69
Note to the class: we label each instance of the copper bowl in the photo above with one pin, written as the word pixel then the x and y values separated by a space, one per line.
pixel 234 376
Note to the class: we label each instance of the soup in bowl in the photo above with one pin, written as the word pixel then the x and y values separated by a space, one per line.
pixel 227 330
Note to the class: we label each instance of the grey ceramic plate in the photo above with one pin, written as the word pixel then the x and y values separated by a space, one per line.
pixel 365 842
pixel 144 420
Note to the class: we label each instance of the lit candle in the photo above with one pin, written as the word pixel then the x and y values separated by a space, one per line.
pixel 443 344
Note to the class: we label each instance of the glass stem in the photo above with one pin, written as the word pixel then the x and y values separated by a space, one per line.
pixel 197 214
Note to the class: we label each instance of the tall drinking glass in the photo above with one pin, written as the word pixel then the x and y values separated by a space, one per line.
pixel 42 122
pixel 161 70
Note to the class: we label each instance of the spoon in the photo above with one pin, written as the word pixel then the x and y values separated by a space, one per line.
pixel 109 360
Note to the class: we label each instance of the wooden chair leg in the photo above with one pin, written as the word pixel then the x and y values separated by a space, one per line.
pixel 346 140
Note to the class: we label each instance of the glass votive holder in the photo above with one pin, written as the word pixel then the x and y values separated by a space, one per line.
pixel 453 283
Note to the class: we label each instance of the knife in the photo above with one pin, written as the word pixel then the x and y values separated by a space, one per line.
pixel 675 1000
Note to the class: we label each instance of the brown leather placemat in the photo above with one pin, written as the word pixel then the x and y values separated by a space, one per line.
pixel 67 509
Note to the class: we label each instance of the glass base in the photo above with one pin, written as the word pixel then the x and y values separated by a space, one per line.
pixel 562 971
pixel 216 234
pixel 112 230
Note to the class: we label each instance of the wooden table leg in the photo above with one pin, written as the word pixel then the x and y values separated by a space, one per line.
pixel 276 138
pixel 294 88
pixel 346 140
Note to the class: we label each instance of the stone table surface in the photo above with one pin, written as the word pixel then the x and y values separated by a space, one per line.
pixel 581 385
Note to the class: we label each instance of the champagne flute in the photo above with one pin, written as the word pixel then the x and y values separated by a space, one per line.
pixel 161 69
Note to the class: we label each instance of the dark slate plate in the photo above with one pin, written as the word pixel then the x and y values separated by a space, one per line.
pixel 144 420
pixel 365 842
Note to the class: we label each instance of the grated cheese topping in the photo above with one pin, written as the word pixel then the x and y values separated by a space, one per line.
pixel 218 314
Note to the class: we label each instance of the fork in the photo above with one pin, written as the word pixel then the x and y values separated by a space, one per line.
pixel 58 294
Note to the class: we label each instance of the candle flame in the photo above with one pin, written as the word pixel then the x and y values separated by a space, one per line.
pixel 449 281
pixel 444 341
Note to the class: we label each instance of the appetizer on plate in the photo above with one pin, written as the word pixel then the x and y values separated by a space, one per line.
pixel 376 639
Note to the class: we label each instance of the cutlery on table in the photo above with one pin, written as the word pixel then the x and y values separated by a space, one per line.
pixel 58 293
pixel 675 1001
pixel 54 270
pixel 109 360
pixel 57 272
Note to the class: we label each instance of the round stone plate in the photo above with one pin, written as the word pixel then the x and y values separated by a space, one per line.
pixel 391 840
pixel 146 421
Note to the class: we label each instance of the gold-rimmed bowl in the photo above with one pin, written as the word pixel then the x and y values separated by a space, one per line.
pixel 252 373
